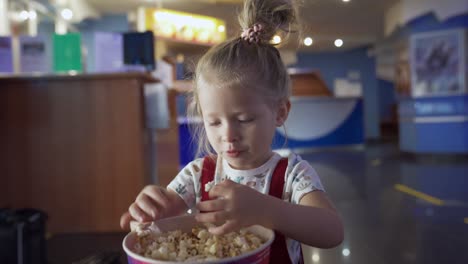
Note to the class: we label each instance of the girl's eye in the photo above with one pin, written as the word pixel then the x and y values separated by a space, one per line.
pixel 214 123
pixel 246 120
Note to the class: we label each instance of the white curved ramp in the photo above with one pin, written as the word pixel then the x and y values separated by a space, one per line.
pixel 312 118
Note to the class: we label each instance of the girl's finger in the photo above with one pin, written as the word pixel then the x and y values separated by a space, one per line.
pixel 159 195
pixel 212 205
pixel 149 206
pixel 138 214
pixel 218 191
pixel 227 227
pixel 212 217
pixel 125 221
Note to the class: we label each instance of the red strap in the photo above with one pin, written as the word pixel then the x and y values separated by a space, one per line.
pixel 279 251
pixel 277 180
pixel 208 171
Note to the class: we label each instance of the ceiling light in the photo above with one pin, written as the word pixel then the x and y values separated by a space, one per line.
pixel 24 15
pixel 345 252
pixel 338 43
pixel 346 0
pixel 32 14
pixel 66 13
pixel 308 41
pixel 221 28
pixel 315 257
pixel 276 39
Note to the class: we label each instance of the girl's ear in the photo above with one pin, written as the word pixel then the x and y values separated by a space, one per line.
pixel 283 112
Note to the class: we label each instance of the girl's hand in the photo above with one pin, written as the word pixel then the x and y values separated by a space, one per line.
pixel 237 206
pixel 153 203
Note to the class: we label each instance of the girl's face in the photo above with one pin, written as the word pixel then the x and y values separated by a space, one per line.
pixel 240 125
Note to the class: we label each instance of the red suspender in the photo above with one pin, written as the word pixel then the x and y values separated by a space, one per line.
pixel 279 251
pixel 208 171
pixel 277 180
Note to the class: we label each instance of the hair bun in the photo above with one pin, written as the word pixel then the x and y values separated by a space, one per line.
pixel 271 16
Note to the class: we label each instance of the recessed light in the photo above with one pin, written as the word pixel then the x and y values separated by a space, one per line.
pixel 24 15
pixel 276 39
pixel 315 257
pixel 67 14
pixel 338 43
pixel 308 41
pixel 32 14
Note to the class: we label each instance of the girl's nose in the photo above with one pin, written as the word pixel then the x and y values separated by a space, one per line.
pixel 230 134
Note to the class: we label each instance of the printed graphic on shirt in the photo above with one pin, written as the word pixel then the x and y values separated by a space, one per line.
pixel 238 179
pixel 181 189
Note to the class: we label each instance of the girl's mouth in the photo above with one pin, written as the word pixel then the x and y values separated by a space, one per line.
pixel 233 153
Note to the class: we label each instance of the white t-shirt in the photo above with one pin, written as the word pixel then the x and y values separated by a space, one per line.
pixel 300 179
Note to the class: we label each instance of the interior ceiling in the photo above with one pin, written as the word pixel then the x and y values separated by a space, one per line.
pixel 357 22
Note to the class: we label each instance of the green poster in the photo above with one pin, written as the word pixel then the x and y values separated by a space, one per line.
pixel 67 52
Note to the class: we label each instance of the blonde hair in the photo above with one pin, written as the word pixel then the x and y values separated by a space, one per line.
pixel 238 63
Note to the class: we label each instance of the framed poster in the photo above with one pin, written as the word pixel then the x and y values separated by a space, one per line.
pixel 438 63
pixel 34 54
pixel 6 55
pixel 67 52
pixel 108 52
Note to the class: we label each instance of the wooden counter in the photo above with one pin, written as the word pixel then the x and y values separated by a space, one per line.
pixel 73 146
pixel 307 82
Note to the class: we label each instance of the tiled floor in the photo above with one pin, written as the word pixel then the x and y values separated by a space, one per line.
pixel 396 208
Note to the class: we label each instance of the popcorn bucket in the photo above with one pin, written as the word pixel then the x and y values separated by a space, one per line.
pixel 261 255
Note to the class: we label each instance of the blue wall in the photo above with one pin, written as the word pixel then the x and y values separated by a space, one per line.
pixel 387 100
pixel 46 29
pixel 435 124
pixel 429 22
pixel 333 65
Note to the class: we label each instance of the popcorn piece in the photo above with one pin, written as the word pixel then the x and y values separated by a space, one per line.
pixel 203 234
pixel 209 185
pixel 200 245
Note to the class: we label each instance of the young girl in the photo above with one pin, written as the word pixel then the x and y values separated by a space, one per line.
pixel 241 91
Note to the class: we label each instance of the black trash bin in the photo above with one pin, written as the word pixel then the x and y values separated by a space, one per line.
pixel 22 236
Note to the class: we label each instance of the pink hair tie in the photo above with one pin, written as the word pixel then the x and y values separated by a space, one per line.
pixel 252 34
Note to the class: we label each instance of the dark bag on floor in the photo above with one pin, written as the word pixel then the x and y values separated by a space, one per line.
pixel 22 236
